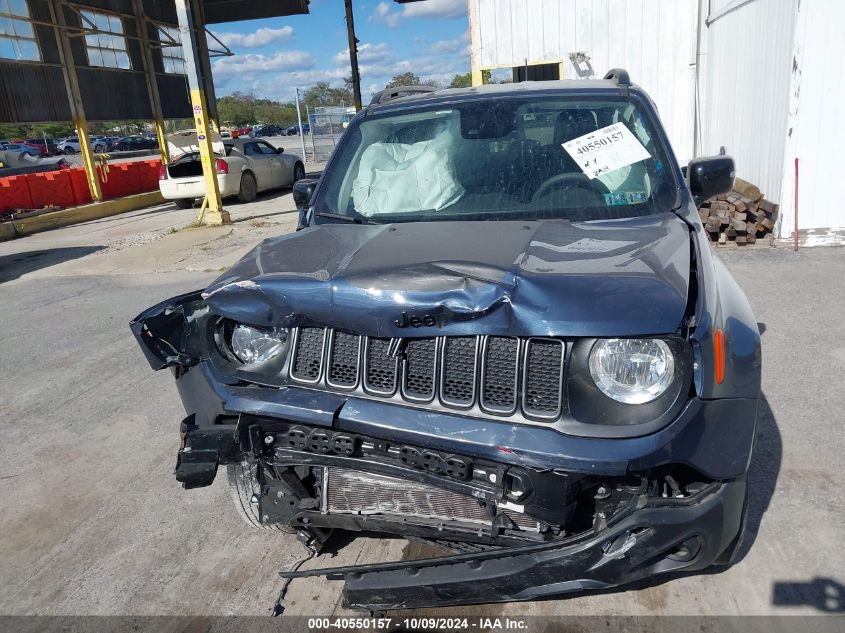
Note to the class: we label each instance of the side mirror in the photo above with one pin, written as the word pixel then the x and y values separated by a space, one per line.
pixel 302 192
pixel 710 176
pixel 280 150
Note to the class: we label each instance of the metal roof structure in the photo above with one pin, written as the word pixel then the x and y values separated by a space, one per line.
pixel 32 86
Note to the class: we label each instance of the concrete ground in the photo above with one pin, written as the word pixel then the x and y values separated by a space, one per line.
pixel 93 521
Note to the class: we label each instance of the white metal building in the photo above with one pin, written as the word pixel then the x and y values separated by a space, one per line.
pixel 756 76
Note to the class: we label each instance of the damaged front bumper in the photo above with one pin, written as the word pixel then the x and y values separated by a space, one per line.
pixel 665 537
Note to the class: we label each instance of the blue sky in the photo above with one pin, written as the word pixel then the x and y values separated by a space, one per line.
pixel 273 56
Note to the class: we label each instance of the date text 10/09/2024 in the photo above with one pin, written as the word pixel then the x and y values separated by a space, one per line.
pixel 418 624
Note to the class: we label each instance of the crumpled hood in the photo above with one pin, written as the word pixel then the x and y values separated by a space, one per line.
pixel 536 278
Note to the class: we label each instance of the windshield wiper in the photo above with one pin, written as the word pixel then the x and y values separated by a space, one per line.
pixel 354 219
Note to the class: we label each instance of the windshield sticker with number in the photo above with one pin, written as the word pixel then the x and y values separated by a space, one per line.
pixel 606 150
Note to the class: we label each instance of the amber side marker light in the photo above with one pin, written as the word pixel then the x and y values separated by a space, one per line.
pixel 719 355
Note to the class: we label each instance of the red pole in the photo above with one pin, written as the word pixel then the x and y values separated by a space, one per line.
pixel 795 243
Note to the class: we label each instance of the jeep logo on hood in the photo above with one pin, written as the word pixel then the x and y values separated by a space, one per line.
pixel 426 320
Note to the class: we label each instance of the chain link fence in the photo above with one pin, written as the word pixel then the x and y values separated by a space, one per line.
pixel 325 127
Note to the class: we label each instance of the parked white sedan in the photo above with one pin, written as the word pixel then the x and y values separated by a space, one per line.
pixel 245 167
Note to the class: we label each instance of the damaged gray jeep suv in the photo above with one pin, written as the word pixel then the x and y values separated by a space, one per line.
pixel 499 328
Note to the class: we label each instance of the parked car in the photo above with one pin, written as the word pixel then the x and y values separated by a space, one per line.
pixel 133 143
pixel 244 167
pixel 45 148
pixel 501 329
pixel 23 148
pixel 293 130
pixel 242 131
pixel 266 130
pixel 70 145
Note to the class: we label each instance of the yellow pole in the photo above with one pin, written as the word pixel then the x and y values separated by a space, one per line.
pixel 161 134
pixel 88 160
pixel 188 29
pixel 74 96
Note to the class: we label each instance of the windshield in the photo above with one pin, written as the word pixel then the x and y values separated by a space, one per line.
pixel 503 159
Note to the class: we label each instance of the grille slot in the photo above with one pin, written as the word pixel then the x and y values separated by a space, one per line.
pixel 543 378
pixel 344 356
pixel 458 371
pixel 358 492
pixel 307 362
pixel 380 368
pixel 419 368
pixel 500 373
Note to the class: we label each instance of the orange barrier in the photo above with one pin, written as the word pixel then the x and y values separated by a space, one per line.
pixel 14 193
pixel 79 185
pixel 50 189
pixel 122 179
pixel 148 170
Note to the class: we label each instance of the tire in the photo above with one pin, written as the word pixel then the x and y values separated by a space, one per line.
pixel 184 203
pixel 242 485
pixel 298 172
pixel 99 149
pixel 248 189
pixel 69 151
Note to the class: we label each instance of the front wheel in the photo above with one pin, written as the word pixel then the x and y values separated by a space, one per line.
pixel 69 151
pixel 248 189
pixel 184 203
pixel 243 485
pixel 298 172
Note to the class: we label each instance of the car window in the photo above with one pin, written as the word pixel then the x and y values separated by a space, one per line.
pixel 515 157
pixel 265 148
pixel 251 149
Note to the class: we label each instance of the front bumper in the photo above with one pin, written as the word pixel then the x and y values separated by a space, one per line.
pixel 670 537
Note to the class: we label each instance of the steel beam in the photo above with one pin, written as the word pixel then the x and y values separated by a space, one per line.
pixel 77 108
pixel 353 55
pixel 188 29
pixel 143 26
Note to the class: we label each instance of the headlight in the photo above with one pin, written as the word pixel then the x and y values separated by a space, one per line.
pixel 256 345
pixel 632 371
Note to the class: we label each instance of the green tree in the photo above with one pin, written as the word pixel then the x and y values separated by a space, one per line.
pixel 322 94
pixel 465 80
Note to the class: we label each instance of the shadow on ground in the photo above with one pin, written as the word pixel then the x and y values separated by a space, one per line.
pixel 18 264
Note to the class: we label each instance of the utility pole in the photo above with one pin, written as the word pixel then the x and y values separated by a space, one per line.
pixel 353 55
pixel 299 121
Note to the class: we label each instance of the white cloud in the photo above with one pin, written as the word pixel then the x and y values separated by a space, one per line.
pixel 248 65
pixel 385 14
pixel 367 54
pixel 261 37
pixel 457 45
pixel 436 9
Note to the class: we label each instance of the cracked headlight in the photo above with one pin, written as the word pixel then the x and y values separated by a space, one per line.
pixel 257 345
pixel 632 371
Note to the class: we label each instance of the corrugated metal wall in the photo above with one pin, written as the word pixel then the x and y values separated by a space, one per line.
pixel 815 122
pixel 653 39
pixel 744 84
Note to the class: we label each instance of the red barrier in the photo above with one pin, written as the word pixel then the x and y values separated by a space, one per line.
pixel 123 179
pixel 50 189
pixel 79 185
pixel 14 193
pixel 148 170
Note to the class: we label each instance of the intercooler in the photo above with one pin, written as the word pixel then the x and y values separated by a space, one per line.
pixel 356 492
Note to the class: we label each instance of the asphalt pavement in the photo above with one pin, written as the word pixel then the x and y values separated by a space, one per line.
pixel 94 523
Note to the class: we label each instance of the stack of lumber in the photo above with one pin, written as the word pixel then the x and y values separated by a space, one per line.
pixel 740 217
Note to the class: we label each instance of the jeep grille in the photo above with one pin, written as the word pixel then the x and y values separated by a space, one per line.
pixel 499 375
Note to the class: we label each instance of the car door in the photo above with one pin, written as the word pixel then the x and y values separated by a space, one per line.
pixel 279 169
pixel 260 163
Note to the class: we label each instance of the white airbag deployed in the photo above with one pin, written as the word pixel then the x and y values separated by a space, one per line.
pixel 400 177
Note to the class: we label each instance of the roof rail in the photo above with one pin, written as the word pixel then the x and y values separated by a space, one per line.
pixel 622 79
pixel 399 91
